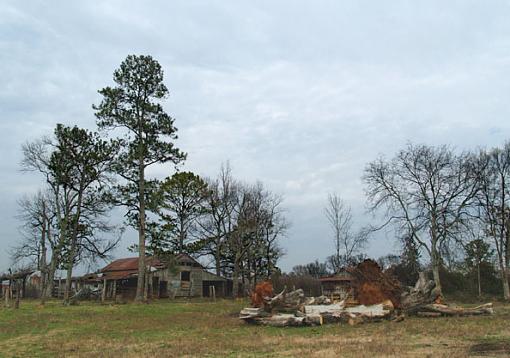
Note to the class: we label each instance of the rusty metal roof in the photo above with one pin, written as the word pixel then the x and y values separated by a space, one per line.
pixel 131 263
pixel 343 276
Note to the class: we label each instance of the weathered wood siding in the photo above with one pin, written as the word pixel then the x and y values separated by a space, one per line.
pixel 179 288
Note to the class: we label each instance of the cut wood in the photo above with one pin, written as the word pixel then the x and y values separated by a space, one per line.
pixel 286 302
pixel 445 310
pixel 421 294
pixel 369 311
pixel 283 320
pixel 252 313
pixel 318 309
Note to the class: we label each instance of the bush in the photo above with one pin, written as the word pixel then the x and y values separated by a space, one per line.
pixel 310 285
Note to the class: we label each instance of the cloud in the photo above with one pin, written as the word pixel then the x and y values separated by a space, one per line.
pixel 298 95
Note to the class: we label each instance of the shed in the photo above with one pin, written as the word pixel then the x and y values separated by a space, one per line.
pixel 337 286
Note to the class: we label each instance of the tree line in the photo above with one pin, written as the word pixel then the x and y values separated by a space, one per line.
pixel 231 224
pixel 442 204
pixel 448 207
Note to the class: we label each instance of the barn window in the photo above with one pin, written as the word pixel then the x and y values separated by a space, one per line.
pixel 185 275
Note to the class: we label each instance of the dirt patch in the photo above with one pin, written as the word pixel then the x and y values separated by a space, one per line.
pixel 490 348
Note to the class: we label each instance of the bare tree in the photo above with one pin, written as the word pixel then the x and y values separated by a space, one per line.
pixel 218 224
pixel 37 215
pixel 427 193
pixel 37 157
pixel 347 243
pixel 494 206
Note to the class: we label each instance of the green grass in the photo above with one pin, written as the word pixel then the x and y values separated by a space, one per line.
pixel 202 328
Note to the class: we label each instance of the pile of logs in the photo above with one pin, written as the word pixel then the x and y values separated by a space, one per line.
pixel 294 309
pixel 390 301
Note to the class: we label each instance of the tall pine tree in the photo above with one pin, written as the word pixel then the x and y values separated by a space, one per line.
pixel 133 110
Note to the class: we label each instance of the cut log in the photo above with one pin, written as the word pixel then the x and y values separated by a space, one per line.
pixel 372 311
pixel 314 320
pixel 321 300
pixel 252 313
pixel 283 320
pixel 445 310
pixel 319 309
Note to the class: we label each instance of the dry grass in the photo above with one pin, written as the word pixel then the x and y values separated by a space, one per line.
pixel 201 328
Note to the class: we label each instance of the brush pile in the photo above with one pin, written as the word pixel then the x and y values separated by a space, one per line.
pixel 374 296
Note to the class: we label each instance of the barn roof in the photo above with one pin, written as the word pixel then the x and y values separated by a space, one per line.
pixel 130 264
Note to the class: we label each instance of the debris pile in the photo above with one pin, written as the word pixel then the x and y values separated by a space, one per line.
pixel 374 296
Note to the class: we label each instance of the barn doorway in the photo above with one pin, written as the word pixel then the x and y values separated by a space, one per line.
pixel 163 289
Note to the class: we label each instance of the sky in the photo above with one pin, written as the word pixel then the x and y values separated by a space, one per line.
pixel 300 95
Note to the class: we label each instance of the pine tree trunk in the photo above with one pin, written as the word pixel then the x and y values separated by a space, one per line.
pixel 140 287
pixel 69 276
pixel 74 239
pixel 42 264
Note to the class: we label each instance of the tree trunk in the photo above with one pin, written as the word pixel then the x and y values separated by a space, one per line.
pixel 146 286
pixel 479 282
pixel 235 278
pixel 43 287
pixel 217 257
pixel 69 274
pixel 74 243
pixel 51 275
pixel 42 258
pixel 140 287
pixel 435 272
pixel 436 263
pixel 504 279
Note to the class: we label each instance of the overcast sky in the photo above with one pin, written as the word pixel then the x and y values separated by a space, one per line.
pixel 297 94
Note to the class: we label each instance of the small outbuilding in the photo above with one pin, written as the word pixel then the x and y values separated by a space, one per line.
pixel 338 286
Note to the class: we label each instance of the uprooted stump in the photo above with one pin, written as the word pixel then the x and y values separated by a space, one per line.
pixel 263 290
pixel 371 285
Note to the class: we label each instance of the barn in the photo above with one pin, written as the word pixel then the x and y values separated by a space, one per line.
pixel 185 277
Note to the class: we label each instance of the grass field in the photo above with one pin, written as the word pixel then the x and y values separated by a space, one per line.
pixel 203 328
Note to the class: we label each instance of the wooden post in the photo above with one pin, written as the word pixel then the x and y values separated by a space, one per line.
pixel 24 287
pixel 213 292
pixel 16 303
pixel 6 294
pixel 114 290
pixel 158 288
pixel 103 294
pixel 59 287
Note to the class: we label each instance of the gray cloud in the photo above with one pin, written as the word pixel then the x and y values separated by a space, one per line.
pixel 297 94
